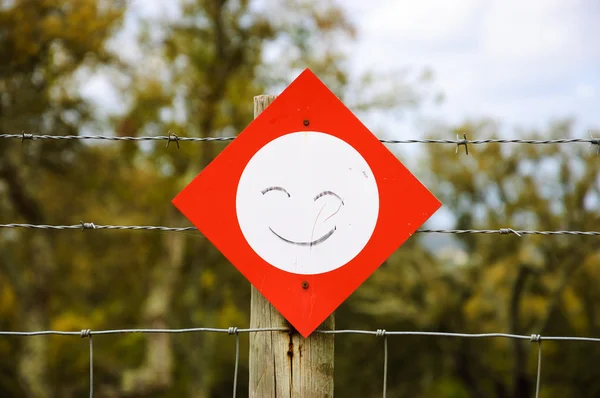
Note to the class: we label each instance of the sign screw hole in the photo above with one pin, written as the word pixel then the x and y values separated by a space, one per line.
pixel 306 122
pixel 304 285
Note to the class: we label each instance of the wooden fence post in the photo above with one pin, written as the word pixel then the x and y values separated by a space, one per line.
pixel 285 364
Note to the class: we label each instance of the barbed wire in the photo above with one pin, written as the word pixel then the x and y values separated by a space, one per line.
pixel 176 138
pixel 169 138
pixel 501 231
pixel 94 226
pixel 233 330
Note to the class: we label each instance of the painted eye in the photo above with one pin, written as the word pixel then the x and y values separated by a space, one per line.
pixel 269 189
pixel 324 193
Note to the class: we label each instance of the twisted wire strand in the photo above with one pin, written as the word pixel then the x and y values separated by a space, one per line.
pixel 172 137
pixel 176 138
pixel 142 331
pixel 501 231
pixel 378 333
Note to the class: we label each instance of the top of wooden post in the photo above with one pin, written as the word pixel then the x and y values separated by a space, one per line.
pixel 261 102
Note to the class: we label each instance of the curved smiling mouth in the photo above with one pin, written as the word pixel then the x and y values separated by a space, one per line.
pixel 311 243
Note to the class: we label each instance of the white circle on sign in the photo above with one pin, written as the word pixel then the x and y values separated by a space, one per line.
pixel 307 202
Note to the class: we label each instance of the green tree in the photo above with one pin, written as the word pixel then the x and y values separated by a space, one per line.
pixel 490 283
pixel 44 45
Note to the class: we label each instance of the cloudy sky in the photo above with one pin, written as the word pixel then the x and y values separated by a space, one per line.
pixel 521 62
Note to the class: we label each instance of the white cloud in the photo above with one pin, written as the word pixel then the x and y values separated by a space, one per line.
pixel 522 62
pixel 513 30
pixel 425 21
pixel 585 90
pixel 99 90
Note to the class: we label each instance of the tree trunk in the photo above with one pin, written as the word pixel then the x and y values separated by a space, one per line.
pixel 37 280
pixel 521 385
pixel 33 362
pixel 156 372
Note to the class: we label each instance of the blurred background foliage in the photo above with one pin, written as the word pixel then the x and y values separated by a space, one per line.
pixel 195 75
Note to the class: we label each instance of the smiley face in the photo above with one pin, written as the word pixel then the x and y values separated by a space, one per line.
pixel 307 202
pixel 311 242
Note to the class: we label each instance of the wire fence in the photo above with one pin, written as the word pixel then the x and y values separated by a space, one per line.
pixel 175 138
pixel 235 331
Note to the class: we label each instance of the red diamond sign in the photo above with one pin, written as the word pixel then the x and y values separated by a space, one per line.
pixel 306 203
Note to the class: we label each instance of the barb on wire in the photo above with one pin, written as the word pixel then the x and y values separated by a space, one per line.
pixel 87 225
pixel 26 137
pixel 464 142
pixel 594 141
pixel 504 231
pixel 177 139
pixel 501 231
pixel 172 137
